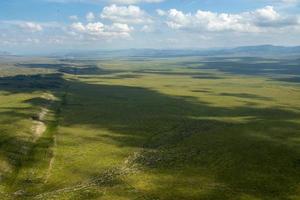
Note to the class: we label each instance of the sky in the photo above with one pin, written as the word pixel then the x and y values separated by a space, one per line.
pixel 45 26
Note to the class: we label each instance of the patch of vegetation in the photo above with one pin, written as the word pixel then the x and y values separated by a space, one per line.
pixel 134 134
pixel 31 82
pixel 68 68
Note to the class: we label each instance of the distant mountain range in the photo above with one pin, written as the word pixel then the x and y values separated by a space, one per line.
pixel 251 51
pixel 259 51
pixel 263 50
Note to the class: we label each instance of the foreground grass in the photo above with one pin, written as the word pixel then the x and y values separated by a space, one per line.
pixel 160 130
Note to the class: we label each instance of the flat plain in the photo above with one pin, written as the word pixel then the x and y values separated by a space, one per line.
pixel 150 128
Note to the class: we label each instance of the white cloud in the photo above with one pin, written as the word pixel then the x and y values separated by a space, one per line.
pixel 32 40
pixel 120 28
pixel 73 17
pixel 116 23
pixel 78 27
pixel 99 30
pixel 90 16
pixel 266 13
pixel 255 21
pixel 269 17
pixel 31 26
pixel 147 29
pixel 125 14
pixel 160 12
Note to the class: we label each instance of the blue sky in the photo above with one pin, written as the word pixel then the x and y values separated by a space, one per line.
pixel 28 26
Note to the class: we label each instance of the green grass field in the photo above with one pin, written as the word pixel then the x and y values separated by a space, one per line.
pixel 156 129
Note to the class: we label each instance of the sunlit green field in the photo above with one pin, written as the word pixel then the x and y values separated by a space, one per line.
pixel 173 128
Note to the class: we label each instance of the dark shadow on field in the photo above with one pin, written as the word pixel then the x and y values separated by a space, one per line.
pixel 118 76
pixel 30 83
pixel 71 69
pixel 248 66
pixel 38 101
pixel 245 96
pixel 290 79
pixel 202 91
pixel 16 144
pixel 206 77
pixel 257 157
pixel 174 73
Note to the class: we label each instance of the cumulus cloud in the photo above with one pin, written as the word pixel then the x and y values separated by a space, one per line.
pixel 31 26
pixel 78 26
pixel 267 13
pixel 90 16
pixel 99 30
pixel 26 33
pixel 268 17
pixel 147 29
pixel 73 17
pixel 119 22
pixel 125 14
pixel 254 21
pixel 160 12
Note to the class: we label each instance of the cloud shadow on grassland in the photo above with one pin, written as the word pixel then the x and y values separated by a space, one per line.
pixel 247 66
pixel 67 68
pixel 180 133
pixel 176 133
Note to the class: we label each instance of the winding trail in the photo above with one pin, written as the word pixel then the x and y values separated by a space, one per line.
pixel 39 126
pixel 102 179
pixel 39 129
pixel 51 162
pixel 48 173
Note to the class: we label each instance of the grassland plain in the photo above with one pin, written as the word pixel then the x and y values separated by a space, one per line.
pixel 169 128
